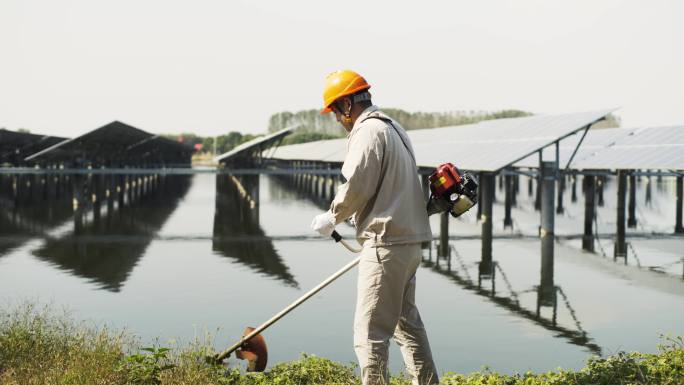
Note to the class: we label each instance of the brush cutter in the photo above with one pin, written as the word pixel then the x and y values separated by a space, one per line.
pixel 451 190
pixel 252 346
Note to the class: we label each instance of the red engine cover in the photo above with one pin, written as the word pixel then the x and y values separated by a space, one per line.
pixel 444 179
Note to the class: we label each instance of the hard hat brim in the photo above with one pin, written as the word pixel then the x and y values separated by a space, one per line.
pixel 349 92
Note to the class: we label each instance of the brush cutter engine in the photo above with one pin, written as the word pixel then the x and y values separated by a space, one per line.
pixel 451 190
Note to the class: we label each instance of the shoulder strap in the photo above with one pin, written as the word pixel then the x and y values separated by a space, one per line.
pixel 389 121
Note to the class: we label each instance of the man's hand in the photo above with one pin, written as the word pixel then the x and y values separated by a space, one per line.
pixel 324 224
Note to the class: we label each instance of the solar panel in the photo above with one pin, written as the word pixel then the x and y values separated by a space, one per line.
pixel 110 137
pixel 15 146
pixel 650 148
pixel 253 144
pixel 486 146
pixel 116 143
pixel 595 140
pixel 333 151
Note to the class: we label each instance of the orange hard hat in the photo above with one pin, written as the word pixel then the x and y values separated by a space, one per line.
pixel 341 83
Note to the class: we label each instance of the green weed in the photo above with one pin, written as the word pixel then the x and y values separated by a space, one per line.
pixel 39 347
pixel 146 368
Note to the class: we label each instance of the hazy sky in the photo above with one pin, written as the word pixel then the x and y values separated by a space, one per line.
pixel 216 66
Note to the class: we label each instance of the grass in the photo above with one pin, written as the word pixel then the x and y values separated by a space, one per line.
pixel 38 346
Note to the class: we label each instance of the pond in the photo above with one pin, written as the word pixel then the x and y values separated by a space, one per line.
pixel 170 258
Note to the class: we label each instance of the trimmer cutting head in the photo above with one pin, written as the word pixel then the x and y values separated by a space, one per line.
pixel 254 351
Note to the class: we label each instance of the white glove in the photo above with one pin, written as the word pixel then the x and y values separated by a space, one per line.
pixel 324 224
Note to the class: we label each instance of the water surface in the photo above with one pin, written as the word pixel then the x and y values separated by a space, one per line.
pixel 172 257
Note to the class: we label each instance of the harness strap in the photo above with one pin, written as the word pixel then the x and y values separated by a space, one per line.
pixel 389 121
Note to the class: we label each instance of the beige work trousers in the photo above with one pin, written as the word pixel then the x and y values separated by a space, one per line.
pixel 385 308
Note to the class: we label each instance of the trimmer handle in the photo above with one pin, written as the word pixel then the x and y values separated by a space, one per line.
pixel 338 238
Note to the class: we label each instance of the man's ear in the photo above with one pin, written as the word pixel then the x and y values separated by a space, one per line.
pixel 348 105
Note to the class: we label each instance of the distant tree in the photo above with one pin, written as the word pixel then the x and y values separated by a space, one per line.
pixel 312 125
pixel 208 144
pixel 308 120
pixel 185 137
pixel 24 130
pixel 224 143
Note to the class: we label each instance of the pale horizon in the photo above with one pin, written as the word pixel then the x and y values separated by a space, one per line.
pixel 211 67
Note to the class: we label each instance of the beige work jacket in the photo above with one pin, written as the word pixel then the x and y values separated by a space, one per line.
pixel 382 193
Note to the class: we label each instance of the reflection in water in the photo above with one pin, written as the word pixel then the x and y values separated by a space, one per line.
pixel 105 247
pixel 318 189
pixel 237 233
pixel 455 268
pixel 30 205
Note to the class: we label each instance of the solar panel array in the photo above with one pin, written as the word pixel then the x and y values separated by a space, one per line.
pixel 332 150
pixel 652 148
pixel 595 140
pixel 116 143
pixel 486 146
pixel 254 143
pixel 15 146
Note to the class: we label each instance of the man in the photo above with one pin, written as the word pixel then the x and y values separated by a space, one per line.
pixel 384 196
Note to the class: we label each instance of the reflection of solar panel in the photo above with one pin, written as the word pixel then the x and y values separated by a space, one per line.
pixel 486 146
pixel 650 148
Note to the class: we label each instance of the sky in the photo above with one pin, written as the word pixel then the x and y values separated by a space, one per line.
pixel 214 66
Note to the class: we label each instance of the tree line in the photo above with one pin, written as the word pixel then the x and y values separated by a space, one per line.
pixel 312 126
pixel 224 143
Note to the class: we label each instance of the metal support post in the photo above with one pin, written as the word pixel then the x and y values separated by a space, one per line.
pixel 312 185
pixel 589 212
pixel 620 244
pixel 139 189
pixel 573 196
pixel 508 184
pixel 547 291
pixel 332 188
pixel 323 187
pixel 110 194
pixel 486 186
pixel 96 198
pixel 130 180
pixel 479 195
pixel 120 191
pixel 678 226
pixel 529 186
pixel 443 250
pixel 561 189
pixel 537 199
pixel 516 190
pixel 631 218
